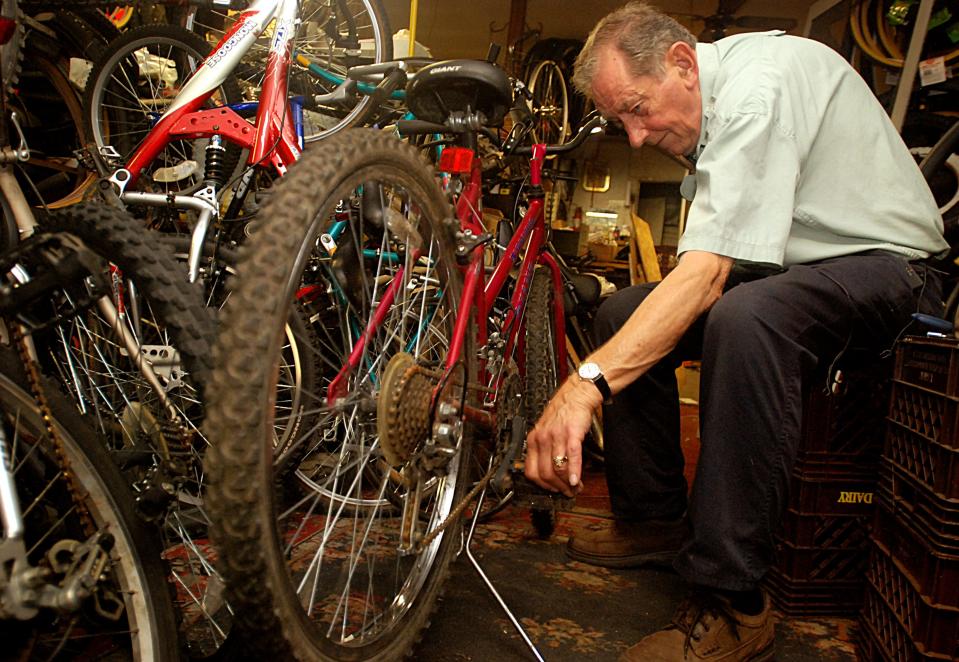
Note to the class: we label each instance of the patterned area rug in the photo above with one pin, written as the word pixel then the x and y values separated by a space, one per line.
pixel 573 611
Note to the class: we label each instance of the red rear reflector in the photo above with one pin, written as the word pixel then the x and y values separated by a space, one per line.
pixel 456 160
pixel 7 26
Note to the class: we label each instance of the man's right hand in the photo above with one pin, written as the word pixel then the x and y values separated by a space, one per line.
pixel 559 433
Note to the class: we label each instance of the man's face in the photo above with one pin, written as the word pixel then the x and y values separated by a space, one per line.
pixel 663 112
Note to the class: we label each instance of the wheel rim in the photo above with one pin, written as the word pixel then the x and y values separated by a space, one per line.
pixel 550 103
pixel 134 631
pixel 340 533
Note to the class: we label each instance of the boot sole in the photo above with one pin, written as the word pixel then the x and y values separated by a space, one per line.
pixel 657 559
pixel 766 654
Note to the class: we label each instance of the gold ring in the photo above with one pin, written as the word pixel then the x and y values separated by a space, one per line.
pixel 559 461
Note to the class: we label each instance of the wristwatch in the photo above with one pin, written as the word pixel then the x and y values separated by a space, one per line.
pixel 590 372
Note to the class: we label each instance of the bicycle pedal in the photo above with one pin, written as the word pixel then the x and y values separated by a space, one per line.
pixel 538 498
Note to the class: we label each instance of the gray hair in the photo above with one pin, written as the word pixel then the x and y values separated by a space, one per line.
pixel 641 32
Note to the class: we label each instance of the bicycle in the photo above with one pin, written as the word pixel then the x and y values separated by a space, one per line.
pixel 80 573
pixel 133 363
pixel 417 354
pixel 80 569
pixel 187 157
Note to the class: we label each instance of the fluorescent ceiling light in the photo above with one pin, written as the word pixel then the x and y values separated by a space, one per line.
pixel 602 214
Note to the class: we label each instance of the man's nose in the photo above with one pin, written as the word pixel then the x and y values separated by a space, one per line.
pixel 637 135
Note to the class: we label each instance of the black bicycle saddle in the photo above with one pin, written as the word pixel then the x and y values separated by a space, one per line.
pixel 448 86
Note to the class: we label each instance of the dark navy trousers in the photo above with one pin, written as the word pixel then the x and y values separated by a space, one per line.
pixel 760 345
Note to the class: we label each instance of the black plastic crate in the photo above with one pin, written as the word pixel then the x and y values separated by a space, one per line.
pixel 931 628
pixel 813 598
pixel 931 363
pixel 819 530
pixel 820 563
pixel 834 492
pixel 882 637
pixel 933 569
pixel 929 462
pixel 936 516
pixel 929 414
pixel 847 426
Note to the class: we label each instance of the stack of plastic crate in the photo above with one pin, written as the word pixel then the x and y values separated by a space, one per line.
pixel 911 609
pixel 822 545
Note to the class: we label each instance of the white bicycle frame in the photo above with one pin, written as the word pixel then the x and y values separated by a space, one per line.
pixel 270 139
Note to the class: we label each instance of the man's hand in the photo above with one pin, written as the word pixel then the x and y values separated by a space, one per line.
pixel 559 433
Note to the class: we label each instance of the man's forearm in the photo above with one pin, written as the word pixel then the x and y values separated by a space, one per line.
pixel 664 316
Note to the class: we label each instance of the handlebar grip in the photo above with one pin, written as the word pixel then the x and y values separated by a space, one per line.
pixel 934 322
pixel 412 127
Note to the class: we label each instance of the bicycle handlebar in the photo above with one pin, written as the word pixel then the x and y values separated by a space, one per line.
pixel 596 124
pixel 375 72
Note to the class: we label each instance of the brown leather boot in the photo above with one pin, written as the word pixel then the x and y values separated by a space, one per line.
pixel 706 628
pixel 623 544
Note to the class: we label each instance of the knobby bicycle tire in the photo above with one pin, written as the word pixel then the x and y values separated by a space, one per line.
pixel 116 236
pixel 146 628
pixel 268 540
pixel 542 371
pixel 175 331
pixel 130 86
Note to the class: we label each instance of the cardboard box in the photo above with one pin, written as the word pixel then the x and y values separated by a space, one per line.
pixel 603 252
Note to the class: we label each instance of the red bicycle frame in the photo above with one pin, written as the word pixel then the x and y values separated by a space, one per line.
pixel 526 247
pixel 271 138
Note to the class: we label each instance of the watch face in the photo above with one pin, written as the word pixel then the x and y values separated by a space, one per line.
pixel 589 371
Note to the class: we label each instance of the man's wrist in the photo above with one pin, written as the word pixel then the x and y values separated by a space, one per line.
pixel 590 372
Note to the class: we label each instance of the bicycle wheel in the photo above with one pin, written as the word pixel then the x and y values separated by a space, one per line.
pixel 542 376
pixel 299 369
pixel 131 86
pixel 49 108
pixel 335 35
pixel 350 566
pixel 547 84
pixel 130 611
pixel 157 444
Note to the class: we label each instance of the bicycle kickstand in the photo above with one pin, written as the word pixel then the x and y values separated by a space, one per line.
pixel 489 584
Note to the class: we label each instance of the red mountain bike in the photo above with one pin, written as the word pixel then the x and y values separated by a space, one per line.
pixel 434 346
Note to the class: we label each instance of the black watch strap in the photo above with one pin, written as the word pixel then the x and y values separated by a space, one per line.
pixel 590 372
pixel 604 389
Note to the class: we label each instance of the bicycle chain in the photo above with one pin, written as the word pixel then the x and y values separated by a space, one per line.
pixel 36 388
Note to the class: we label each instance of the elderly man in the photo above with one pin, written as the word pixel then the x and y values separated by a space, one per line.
pixel 808 230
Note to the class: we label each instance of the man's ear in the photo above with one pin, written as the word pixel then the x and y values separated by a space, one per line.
pixel 683 56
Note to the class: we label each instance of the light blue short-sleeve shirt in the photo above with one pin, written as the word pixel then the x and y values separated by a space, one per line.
pixel 797 160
